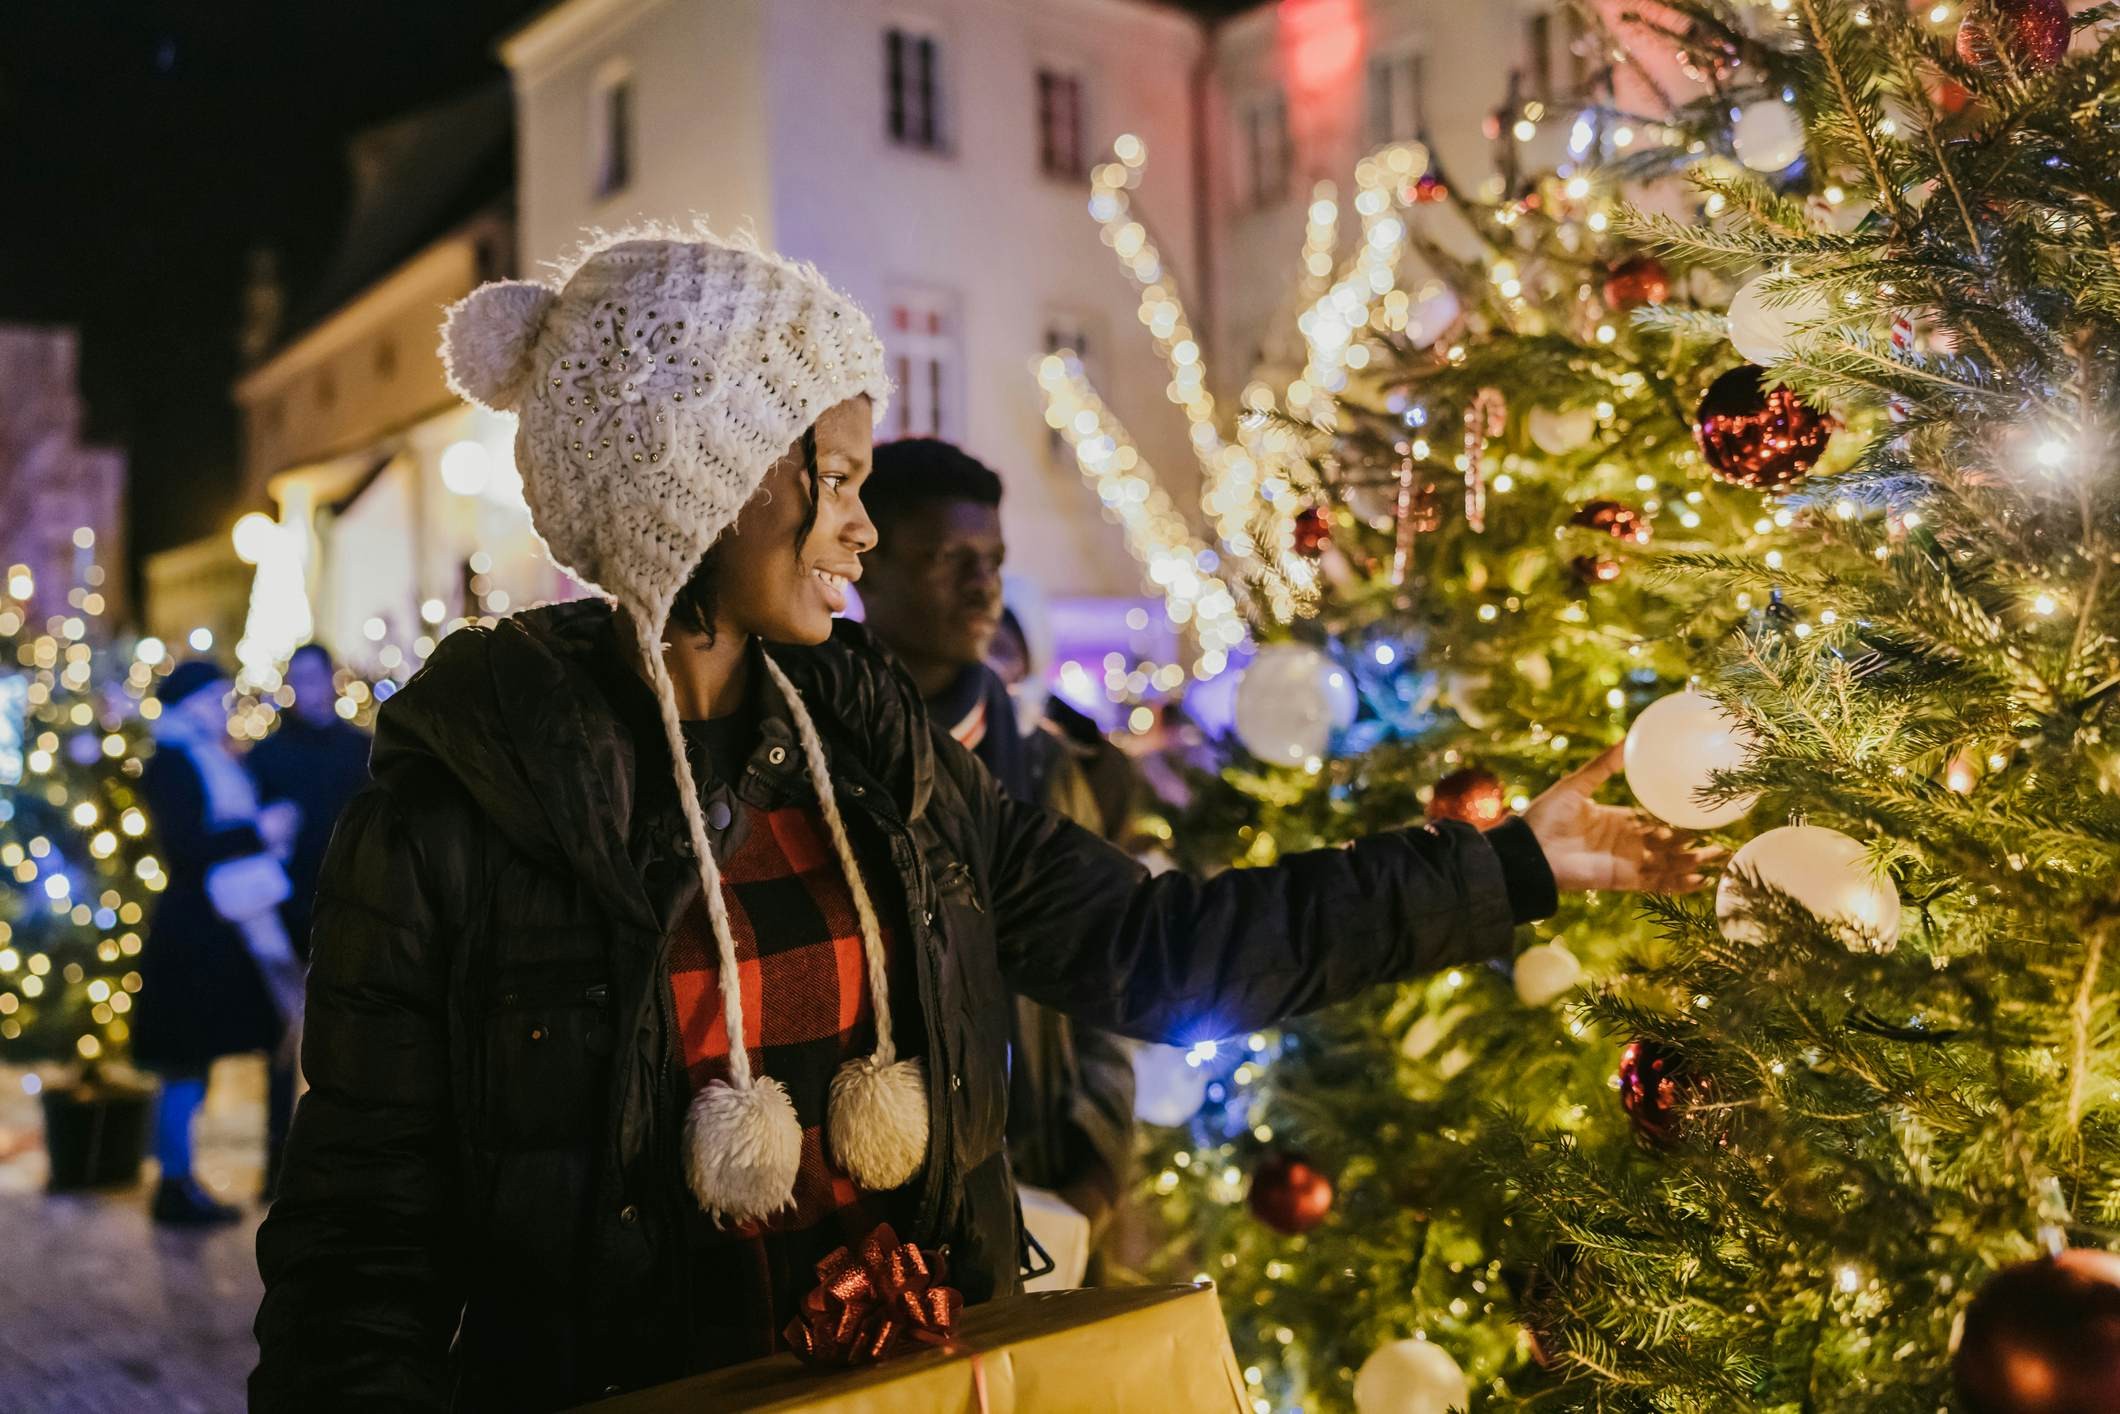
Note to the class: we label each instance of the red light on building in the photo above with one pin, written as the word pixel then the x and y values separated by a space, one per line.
pixel 1321 44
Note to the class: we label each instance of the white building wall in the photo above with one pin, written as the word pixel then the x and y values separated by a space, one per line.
pixel 772 115
pixel 1469 51
pixel 1013 247
pixel 699 133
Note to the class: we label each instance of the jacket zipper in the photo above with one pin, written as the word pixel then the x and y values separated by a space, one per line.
pixel 546 993
pixel 938 1047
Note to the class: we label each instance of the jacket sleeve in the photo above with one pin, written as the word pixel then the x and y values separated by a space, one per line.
pixel 359 1253
pixel 1085 930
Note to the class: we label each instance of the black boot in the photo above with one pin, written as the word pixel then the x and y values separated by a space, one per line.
pixel 184 1202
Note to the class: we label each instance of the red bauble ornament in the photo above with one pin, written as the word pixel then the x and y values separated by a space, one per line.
pixel 1288 1194
pixel 1657 1090
pixel 2044 1338
pixel 1313 531
pixel 1753 437
pixel 2036 33
pixel 1639 279
pixel 1471 795
pixel 1594 569
pixel 1621 522
pixel 1950 96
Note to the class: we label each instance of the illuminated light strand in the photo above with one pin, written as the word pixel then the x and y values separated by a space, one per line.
pixel 1239 500
pixel 1195 598
pixel 1333 324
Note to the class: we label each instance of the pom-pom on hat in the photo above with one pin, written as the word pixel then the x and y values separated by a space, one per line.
pixel 653 391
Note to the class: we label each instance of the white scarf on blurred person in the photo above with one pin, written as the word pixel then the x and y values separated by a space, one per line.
pixel 246 891
pixel 231 798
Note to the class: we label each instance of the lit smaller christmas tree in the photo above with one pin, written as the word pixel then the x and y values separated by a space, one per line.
pixel 78 870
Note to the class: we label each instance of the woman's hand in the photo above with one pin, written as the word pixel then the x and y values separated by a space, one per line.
pixel 1592 846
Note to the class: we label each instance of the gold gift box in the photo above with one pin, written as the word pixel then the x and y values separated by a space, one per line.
pixel 1111 1350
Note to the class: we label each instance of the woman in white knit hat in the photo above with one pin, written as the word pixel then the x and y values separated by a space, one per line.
pixel 672 948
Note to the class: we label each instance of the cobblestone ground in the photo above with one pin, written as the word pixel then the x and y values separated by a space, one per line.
pixel 100 1310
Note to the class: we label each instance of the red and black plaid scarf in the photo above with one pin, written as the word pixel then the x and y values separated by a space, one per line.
pixel 807 1009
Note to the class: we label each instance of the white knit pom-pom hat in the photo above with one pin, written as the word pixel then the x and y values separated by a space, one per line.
pixel 653 391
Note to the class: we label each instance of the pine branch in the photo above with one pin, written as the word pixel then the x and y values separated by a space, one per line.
pixel 1828 39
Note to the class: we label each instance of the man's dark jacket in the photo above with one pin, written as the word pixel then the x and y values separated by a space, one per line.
pixel 481 1203
pixel 320 769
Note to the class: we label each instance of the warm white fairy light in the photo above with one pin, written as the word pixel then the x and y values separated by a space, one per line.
pixel 1194 597
pixel 1359 299
pixel 1251 507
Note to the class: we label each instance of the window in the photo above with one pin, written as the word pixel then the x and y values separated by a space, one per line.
pixel 1060 139
pixel 1067 330
pixel 1550 76
pixel 913 88
pixel 1395 98
pixel 1262 134
pixel 611 127
pixel 922 341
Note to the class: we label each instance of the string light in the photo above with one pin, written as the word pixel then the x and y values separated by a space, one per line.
pixel 1251 506
pixel 1182 570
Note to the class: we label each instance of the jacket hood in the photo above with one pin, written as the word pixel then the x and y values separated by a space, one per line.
pixel 522 715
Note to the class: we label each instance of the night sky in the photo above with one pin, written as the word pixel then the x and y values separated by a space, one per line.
pixel 148 146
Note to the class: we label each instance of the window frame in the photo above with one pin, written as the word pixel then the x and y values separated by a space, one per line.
pixel 923 127
pixel 928 364
pixel 613 133
pixel 1260 190
pixel 1388 68
pixel 1049 75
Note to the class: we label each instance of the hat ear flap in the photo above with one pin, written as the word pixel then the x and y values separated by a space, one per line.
pixel 488 338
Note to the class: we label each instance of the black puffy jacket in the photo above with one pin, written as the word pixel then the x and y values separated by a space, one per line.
pixel 481 1205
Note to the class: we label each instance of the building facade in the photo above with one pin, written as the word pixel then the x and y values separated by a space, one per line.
pixel 932 159
pixel 397 506
pixel 62 500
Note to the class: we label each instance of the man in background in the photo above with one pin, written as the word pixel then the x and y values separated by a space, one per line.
pixel 931 592
pixel 316 762
pixel 1075 769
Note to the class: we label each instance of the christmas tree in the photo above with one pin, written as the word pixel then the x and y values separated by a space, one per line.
pixel 79 876
pixel 1762 1160
pixel 1879 1067
pixel 1485 517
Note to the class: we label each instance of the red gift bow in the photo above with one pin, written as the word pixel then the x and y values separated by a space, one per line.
pixel 871 1305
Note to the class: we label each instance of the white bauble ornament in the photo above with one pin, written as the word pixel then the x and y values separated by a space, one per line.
pixel 1761 331
pixel 1559 433
pixel 1822 871
pixel 1410 1377
pixel 1544 972
pixel 1289 701
pixel 1168 1088
pixel 1434 310
pixel 1674 746
pixel 1461 691
pixel 1767 135
pixel 1376 502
